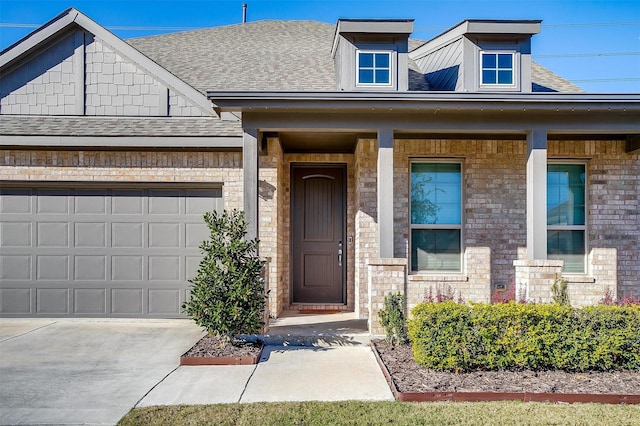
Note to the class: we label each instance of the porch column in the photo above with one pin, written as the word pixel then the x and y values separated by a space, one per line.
pixel 250 180
pixel 385 193
pixel 537 195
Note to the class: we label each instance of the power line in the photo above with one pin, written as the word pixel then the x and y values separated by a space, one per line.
pixel 605 80
pixel 110 28
pixel 587 55
pixel 565 25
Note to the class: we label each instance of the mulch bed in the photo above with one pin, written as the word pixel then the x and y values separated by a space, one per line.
pixel 214 346
pixel 410 377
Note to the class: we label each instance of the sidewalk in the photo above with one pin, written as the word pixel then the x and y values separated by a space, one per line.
pixel 83 371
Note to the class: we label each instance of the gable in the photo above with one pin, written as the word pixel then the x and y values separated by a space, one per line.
pixel 77 71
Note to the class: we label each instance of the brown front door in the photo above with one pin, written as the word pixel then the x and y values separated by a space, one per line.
pixel 318 211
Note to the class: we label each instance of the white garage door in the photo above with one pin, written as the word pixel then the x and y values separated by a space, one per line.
pixel 121 251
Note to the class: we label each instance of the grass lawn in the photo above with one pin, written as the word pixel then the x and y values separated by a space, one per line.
pixel 375 413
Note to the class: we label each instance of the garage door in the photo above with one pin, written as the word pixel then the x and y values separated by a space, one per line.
pixel 107 252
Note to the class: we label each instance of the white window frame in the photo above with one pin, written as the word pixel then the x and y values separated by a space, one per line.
pixel 584 228
pixel 387 52
pixel 459 226
pixel 514 70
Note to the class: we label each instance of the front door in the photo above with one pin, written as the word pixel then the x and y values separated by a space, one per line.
pixel 318 211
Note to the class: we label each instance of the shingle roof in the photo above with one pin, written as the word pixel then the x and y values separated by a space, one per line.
pixel 116 126
pixel 273 56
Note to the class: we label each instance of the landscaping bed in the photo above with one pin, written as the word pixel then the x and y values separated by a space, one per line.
pixel 410 378
pixel 211 350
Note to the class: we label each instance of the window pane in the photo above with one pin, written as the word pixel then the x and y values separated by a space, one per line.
pixel 366 59
pixel 566 194
pixel 382 76
pixel 488 77
pixel 505 60
pixel 567 246
pixel 365 76
pixel 505 77
pixel 435 249
pixel 488 60
pixel 436 193
pixel 382 60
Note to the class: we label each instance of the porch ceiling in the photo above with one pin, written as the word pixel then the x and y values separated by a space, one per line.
pixel 319 142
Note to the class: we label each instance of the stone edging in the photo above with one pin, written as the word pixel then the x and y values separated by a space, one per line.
pixel 501 396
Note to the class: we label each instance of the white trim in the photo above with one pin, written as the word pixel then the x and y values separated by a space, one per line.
pixel 515 68
pixel 391 68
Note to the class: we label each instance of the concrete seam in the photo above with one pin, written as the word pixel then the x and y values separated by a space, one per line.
pixel 247 383
pixel 155 386
pixel 27 332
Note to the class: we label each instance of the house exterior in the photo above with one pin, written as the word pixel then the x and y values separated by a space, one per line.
pixel 365 161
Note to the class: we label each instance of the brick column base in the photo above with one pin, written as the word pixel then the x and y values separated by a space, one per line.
pixel 386 276
pixel 534 279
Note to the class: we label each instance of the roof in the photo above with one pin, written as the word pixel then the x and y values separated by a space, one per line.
pixel 273 56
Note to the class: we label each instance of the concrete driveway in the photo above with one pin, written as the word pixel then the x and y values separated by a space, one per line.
pixel 84 371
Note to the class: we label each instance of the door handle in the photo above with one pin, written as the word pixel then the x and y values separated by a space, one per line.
pixel 340 253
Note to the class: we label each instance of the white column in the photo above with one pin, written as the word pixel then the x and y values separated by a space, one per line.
pixel 537 195
pixel 250 180
pixel 385 193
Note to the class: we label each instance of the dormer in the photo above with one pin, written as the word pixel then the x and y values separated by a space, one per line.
pixel 480 56
pixel 372 54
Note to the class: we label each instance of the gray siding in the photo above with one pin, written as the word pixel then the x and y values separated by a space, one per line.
pixel 443 68
pixel 81 75
pixel 126 251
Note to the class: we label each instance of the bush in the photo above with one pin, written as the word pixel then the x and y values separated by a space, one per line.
pixel 227 294
pixel 392 318
pixel 452 337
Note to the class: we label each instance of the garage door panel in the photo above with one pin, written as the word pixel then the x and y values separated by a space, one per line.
pixel 127 235
pixel 164 301
pixel 15 301
pixel 162 201
pixel 90 234
pixel 127 268
pixel 164 268
pixel 125 251
pixel 15 201
pixel 15 234
pixel 195 234
pixel 164 235
pixel 127 202
pixel 53 234
pixel 52 201
pixel 52 301
pixel 90 268
pixel 126 301
pixel 90 301
pixel 15 267
pixel 52 267
pixel 90 202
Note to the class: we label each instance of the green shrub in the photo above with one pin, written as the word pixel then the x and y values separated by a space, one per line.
pixel 510 336
pixel 227 294
pixel 560 291
pixel 393 320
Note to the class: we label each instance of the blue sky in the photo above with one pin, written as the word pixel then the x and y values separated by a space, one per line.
pixel 595 43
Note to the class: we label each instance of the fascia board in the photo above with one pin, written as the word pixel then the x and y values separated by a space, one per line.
pixel 627 106
pixel 37 37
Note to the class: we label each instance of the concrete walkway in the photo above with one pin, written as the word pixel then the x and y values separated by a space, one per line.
pixel 95 371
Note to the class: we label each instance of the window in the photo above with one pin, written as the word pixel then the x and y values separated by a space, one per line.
pixel 497 69
pixel 374 68
pixel 566 214
pixel 436 216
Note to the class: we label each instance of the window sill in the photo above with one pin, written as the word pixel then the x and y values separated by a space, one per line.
pixel 578 278
pixel 438 277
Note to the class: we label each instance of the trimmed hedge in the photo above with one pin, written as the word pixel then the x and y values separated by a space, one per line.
pixel 449 336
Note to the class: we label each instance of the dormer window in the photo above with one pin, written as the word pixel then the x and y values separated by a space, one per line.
pixel 497 69
pixel 373 68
